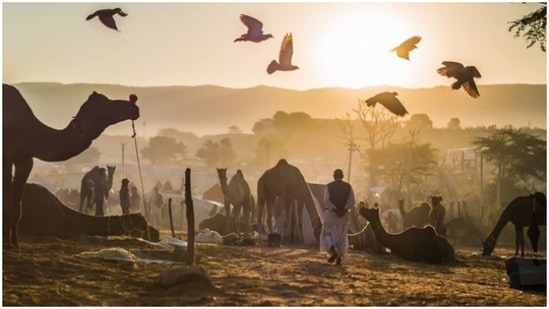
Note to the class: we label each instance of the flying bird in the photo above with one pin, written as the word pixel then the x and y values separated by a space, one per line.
pixel 465 76
pixel 390 101
pixel 406 47
pixel 285 57
pixel 255 30
pixel 106 16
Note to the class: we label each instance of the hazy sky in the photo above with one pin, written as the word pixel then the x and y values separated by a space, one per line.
pixel 334 44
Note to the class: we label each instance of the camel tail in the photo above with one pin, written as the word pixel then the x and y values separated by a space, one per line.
pixel 272 67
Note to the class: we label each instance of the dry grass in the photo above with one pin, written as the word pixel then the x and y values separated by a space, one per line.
pixel 47 272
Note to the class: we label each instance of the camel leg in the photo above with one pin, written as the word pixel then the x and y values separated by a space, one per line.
pixel 236 218
pixel 270 205
pixel 519 239
pixel 22 171
pixel 533 234
pixel 7 201
pixel 246 209
pixel 228 227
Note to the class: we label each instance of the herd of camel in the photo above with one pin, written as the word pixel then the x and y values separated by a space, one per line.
pixel 27 205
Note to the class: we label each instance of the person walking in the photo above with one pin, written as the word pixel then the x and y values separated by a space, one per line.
pixel 339 198
pixel 124 196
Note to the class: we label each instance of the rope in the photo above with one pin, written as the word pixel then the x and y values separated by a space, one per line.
pixel 140 178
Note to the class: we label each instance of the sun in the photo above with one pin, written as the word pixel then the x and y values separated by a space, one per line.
pixel 354 50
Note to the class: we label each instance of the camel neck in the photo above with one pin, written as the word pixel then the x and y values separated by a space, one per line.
pixel 59 145
pixel 379 231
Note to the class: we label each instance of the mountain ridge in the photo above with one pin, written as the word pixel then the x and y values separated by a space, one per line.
pixel 209 109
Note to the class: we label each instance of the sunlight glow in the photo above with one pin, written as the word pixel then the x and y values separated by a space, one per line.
pixel 354 50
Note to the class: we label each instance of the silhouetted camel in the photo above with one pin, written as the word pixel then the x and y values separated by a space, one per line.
pixel 437 214
pixel 531 211
pixel 236 192
pixel 417 216
pixel 285 181
pixel 88 183
pixel 416 244
pixel 25 138
pixel 44 214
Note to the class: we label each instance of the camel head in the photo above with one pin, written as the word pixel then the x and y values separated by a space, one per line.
pixel 487 247
pixel 436 199
pixel 370 214
pixel 540 198
pixel 99 112
pixel 222 173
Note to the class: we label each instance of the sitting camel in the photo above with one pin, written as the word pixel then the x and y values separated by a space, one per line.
pixel 417 216
pixel 25 138
pixel 44 214
pixel 462 228
pixel 531 211
pixel 416 244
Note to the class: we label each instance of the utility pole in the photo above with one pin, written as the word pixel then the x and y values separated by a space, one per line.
pixel 123 157
pixel 351 148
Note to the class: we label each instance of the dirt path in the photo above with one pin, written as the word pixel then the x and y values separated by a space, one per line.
pixel 47 272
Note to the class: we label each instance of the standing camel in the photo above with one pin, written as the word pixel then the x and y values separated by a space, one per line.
pixel 236 192
pixel 417 216
pixel 437 214
pixel 521 212
pixel 25 138
pixel 89 181
pixel 285 182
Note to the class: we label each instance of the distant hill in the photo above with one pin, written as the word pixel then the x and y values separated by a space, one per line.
pixel 212 109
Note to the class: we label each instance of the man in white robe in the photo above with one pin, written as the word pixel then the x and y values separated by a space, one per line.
pixel 339 198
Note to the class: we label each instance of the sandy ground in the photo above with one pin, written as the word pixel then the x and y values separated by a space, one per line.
pixel 47 271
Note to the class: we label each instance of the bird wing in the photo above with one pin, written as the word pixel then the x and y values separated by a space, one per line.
pixel 474 71
pixel 410 43
pixel 390 101
pixel 254 25
pixel 91 16
pixel 108 21
pixel 471 88
pixel 286 50
pixel 402 53
pixel 450 68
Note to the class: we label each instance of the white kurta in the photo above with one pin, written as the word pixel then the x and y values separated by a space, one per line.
pixel 334 230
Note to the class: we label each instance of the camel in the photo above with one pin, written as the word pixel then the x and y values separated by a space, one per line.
pixel 416 244
pixel 417 216
pixel 437 214
pixel 88 183
pixel 236 192
pixel 529 210
pixel 25 138
pixel 463 228
pixel 285 182
pixel 44 214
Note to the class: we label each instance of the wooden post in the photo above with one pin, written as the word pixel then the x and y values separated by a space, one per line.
pixel 190 217
pixel 171 216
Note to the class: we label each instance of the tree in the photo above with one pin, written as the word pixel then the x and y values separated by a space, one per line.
pixel 420 122
pixel 234 130
pixel 404 163
pixel 532 27
pixel 217 154
pixel 163 149
pixel 516 156
pixel 380 126
pixel 454 124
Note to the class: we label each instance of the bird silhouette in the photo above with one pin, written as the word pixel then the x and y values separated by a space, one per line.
pixel 255 30
pixel 285 57
pixel 406 47
pixel 106 16
pixel 390 101
pixel 465 76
